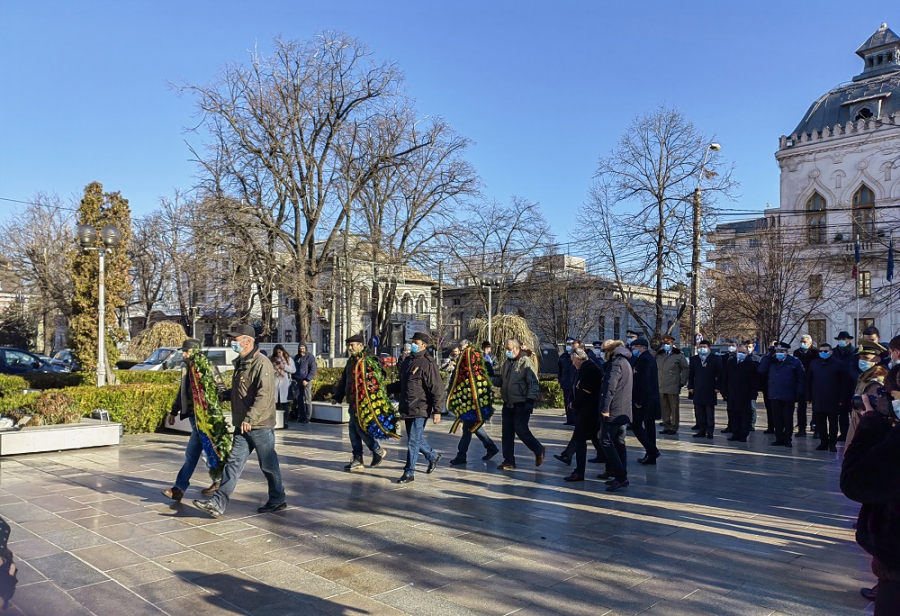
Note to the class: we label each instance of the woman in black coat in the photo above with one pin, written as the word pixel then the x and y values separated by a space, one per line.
pixel 586 402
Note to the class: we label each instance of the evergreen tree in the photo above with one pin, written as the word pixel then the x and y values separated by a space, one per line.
pixel 99 209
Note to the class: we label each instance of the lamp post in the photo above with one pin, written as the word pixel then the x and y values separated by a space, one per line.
pixel 695 250
pixel 110 236
pixel 489 280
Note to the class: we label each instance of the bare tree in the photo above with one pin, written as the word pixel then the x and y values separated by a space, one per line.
pixel 151 265
pixel 640 205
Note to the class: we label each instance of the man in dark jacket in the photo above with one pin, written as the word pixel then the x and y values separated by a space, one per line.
pixel 252 397
pixel 421 395
pixel 787 382
pixel 615 413
pixel 826 385
pixel 346 388
pixel 704 384
pixel 566 377
pixel 305 374
pixel 595 354
pixel 845 351
pixel 869 476
pixel 646 409
pixel 183 408
pixel 740 387
pixel 806 354
pixel 519 389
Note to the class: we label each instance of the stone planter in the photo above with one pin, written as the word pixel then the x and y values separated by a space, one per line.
pixel 184 425
pixel 88 433
pixel 332 413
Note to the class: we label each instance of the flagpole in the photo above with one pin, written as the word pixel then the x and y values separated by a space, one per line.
pixel 856 255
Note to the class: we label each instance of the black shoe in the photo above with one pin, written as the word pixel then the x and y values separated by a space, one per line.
pixel 617 485
pixel 726 431
pixel 208 507
pixel 769 431
pixel 842 438
pixel 568 424
pixel 377 457
pixel 733 438
pixel 666 432
pixel 267 508
pixel 506 466
pixel 649 460
pixel 574 477
pixel 777 443
pixel 643 459
pixel 490 454
pixel 356 466
pixel 605 475
pixel 700 435
pixel 564 459
pixel 433 465
pixel 869 594
pixel 458 462
pixel 695 427
pixel 788 444
pixel 832 448
pixel 742 440
pixel 801 433
pixel 597 460
pixel 406 478
pixel 822 447
pixel 709 434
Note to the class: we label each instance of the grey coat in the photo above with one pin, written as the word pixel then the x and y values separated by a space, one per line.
pixel 618 381
pixel 518 381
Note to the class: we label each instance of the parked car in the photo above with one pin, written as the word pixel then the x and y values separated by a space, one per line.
pixel 65 358
pixel 169 358
pixel 388 360
pixel 17 361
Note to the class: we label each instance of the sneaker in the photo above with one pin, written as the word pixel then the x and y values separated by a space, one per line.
pixel 564 459
pixel 208 507
pixel 433 464
pixel 458 462
pixel 267 508
pixel 617 485
pixel 377 456
pixel 356 466
pixel 210 490
pixel 490 454
pixel 174 493
pixel 506 466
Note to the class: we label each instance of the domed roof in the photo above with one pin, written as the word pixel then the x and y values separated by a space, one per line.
pixel 874 93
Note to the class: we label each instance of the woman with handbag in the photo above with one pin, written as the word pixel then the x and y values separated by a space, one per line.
pixel 284 368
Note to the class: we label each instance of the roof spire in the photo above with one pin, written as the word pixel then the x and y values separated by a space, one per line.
pixel 880 52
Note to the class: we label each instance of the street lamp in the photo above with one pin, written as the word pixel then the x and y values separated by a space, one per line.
pixel 488 280
pixel 695 254
pixel 110 236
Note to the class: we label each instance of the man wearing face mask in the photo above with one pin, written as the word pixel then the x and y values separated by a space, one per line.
pixel 630 337
pixel 826 390
pixel 729 353
pixel 519 389
pixel 252 397
pixel 566 377
pixel 871 378
pixel 672 369
pixel 595 354
pixel 845 351
pixel 704 384
pixel 806 353
pixel 740 386
pixel 645 400
pixel 787 381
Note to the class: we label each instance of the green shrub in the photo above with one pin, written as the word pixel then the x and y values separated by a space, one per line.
pixel 16 406
pixel 11 386
pixel 55 407
pixel 551 395
pixel 58 380
pixel 162 377
pixel 140 407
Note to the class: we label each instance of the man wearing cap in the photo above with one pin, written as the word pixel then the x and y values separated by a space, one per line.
pixel 787 383
pixel 421 395
pixel 704 383
pixel 183 407
pixel 645 407
pixel 806 353
pixel 252 397
pixel 871 378
pixel 827 383
pixel 595 354
pixel 672 368
pixel 346 388
pixel 566 377
pixel 630 337
pixel 845 351
pixel 306 372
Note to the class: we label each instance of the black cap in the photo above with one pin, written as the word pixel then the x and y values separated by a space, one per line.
pixel 641 342
pixel 190 344
pixel 871 330
pixel 356 338
pixel 242 330
pixel 843 335
pixel 781 345
pixel 422 337
pixel 570 340
pixel 631 332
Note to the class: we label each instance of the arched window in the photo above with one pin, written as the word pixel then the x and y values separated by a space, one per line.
pixel 364 296
pixel 421 305
pixel 815 219
pixel 864 114
pixel 864 211
pixel 406 304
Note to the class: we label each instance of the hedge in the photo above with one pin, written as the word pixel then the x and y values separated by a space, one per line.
pixel 11 386
pixel 140 407
pixel 551 395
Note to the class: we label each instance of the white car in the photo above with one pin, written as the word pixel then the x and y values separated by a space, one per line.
pixel 169 358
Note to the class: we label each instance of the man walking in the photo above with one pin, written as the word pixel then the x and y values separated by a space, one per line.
pixel 519 389
pixel 806 353
pixel 252 398
pixel 672 368
pixel 306 372
pixel 421 394
pixel 183 407
pixel 740 386
pixel 826 388
pixel 615 413
pixel 645 400
pixel 787 381
pixel 704 383
pixel 346 388
pixel 567 377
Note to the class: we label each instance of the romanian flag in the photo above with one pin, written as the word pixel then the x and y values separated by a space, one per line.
pixel 856 259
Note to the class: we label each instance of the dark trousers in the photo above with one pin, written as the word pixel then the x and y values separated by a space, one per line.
pixel 612 441
pixel 466 439
pixel 572 448
pixel 569 400
pixel 358 436
pixel 887 601
pixel 261 440
pixel 783 416
pixel 515 423
pixel 740 417
pixel 706 417
pixel 770 419
pixel 645 433
pixel 303 404
pixel 844 422
pixel 801 415
pixel 827 425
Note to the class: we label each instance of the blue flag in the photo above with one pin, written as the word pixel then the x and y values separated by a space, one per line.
pixel 890 265
pixel 856 259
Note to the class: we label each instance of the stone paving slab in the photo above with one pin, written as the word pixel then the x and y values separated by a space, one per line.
pixel 715 528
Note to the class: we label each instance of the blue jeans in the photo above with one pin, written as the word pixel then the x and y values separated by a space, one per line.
pixel 415 436
pixel 358 436
pixel 612 441
pixel 466 439
pixel 263 441
pixel 191 457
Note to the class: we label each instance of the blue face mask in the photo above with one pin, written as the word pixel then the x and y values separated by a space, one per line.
pixel 741 356
pixel 635 352
pixel 568 348
pixel 824 354
pixel 509 355
pixel 667 347
pixel 842 343
pixel 864 365
pixel 703 351
pixel 235 346
pixel 414 348
pixel 780 356
pixel 804 346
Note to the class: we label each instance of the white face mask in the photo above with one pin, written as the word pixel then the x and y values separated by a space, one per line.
pixel 732 349
pixel 896 406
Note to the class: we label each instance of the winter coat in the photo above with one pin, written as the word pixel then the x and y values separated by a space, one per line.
pixel 596 358
pixel 740 381
pixel 283 380
pixel 252 392
pixel 618 382
pixel 806 357
pixel 645 392
pixel 587 391
pixel 827 385
pixel 868 384
pixel 306 367
pixel 847 355
pixel 566 372
pixel 421 389
pixel 673 370
pixel 869 476
pixel 518 381
pixel 706 379
pixel 346 385
pixel 786 379
pixel 183 405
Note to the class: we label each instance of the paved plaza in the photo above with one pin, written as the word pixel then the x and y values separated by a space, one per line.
pixel 714 529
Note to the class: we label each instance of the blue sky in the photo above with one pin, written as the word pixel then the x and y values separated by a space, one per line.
pixel 542 88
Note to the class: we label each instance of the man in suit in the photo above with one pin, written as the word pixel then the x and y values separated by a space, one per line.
pixel 740 386
pixel 704 384
pixel 787 383
pixel 645 400
pixel 806 353
pixel 827 382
